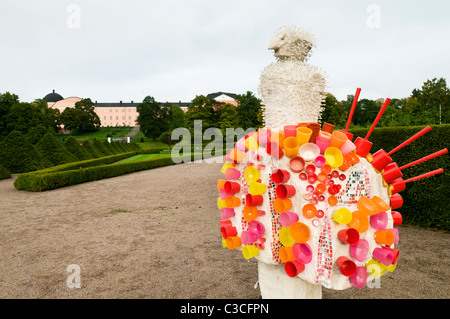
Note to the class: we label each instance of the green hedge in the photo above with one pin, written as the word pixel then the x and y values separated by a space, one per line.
pixel 4 173
pixel 427 201
pixel 30 181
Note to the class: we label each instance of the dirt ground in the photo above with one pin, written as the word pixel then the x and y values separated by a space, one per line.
pixel 155 234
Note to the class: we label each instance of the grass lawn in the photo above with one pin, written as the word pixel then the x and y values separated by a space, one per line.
pixel 100 135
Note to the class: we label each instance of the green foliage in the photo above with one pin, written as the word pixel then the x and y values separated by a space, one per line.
pixel 89 120
pixel 426 201
pixel 4 173
pixel 54 151
pixel 333 112
pixel 166 138
pixel 89 146
pixel 204 109
pixel 74 147
pixel 177 117
pixel 18 155
pixel 249 109
pixel 229 118
pixel 46 180
pixel 7 100
pixel 101 148
pixel 153 117
pixel 109 146
pixel 36 133
pixel 82 118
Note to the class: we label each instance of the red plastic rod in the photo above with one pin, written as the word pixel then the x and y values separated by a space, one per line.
pixel 409 140
pixel 352 110
pixel 383 108
pixel 438 171
pixel 426 158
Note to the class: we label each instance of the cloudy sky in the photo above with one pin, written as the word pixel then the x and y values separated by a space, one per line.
pixel 176 49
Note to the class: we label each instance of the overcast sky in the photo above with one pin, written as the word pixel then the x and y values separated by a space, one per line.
pixel 176 49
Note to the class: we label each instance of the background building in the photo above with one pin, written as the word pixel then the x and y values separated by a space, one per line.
pixel 122 113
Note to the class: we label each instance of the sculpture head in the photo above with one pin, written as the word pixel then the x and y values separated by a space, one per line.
pixel 292 42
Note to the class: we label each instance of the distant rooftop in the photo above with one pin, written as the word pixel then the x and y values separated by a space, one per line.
pixel 53 97
pixel 214 95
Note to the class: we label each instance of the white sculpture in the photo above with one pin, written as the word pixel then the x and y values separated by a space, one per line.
pixel 292 92
pixel 291 89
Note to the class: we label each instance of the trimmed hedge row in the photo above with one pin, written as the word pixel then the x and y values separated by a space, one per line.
pixel 28 181
pixel 427 201
pixel 86 171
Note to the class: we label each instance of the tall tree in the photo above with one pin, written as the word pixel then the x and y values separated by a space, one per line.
pixel 6 101
pixel 228 118
pixel 177 117
pixel 204 109
pixel 89 120
pixel 71 119
pixel 153 117
pixel 434 101
pixel 333 111
pixel 249 109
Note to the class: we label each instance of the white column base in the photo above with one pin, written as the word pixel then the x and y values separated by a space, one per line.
pixel 274 283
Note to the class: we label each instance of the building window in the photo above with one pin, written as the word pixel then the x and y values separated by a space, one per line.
pixel 104 117
pixel 129 117
pixel 117 117
pixel 110 117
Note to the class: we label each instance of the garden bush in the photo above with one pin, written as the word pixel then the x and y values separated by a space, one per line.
pixel 427 201
pixel 47 180
pixel 74 147
pixel 54 151
pixel 27 180
pixel 17 154
pixel 101 148
pixel 4 173
pixel 110 147
pixel 89 146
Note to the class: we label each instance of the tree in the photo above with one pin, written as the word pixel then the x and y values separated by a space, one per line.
pixel 71 119
pixel 19 156
pixel 166 138
pixel 204 109
pixel 153 117
pixel 50 148
pixel 229 118
pixel 249 108
pixel 22 117
pixel 433 101
pixel 89 120
pixel 333 111
pixel 177 117
pixel 6 101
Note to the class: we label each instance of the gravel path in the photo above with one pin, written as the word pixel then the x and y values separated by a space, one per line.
pixel 154 234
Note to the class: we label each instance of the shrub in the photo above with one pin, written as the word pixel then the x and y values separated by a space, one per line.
pixel 54 151
pixel 4 173
pixel 426 201
pixel 101 148
pixel 95 153
pixel 50 179
pixel 18 156
pixel 109 146
pixel 74 147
